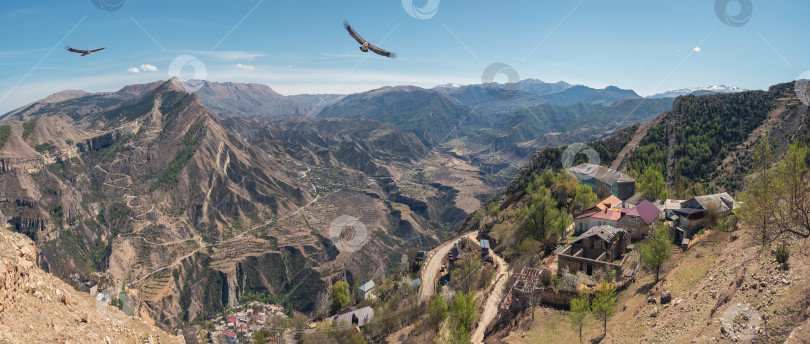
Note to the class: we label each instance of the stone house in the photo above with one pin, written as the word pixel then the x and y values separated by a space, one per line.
pixel 598 248
pixel 640 220
pixel 605 181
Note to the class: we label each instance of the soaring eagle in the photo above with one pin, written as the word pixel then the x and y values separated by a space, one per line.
pixel 83 52
pixel 366 46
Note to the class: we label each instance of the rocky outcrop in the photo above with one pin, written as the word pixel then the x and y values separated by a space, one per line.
pixel 36 307
pixel 99 142
pixel 15 269
pixel 32 165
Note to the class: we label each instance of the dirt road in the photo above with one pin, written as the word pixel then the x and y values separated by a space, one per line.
pixel 434 262
pixel 493 300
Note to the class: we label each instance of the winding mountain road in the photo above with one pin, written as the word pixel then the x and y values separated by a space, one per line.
pixel 434 262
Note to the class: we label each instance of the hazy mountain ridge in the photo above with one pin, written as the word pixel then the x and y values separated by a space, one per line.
pixel 252 101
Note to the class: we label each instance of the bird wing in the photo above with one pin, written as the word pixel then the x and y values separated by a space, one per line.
pixel 94 50
pixel 352 33
pixel 68 48
pixel 381 52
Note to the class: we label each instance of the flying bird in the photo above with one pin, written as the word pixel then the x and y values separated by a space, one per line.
pixel 83 52
pixel 365 45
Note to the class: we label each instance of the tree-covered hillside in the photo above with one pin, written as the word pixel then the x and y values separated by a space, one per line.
pixel 705 141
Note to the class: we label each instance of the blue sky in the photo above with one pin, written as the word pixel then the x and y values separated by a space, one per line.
pixel 300 47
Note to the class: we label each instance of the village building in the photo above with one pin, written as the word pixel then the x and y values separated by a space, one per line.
pixel 454 255
pixel 366 290
pixel 639 220
pixel 355 316
pixel 670 206
pixel 596 249
pixel 691 217
pixel 723 201
pixel 610 202
pixel 230 337
pixel 607 217
pixel 605 181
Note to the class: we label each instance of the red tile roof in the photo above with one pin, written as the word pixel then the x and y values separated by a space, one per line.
pixel 586 215
pixel 609 215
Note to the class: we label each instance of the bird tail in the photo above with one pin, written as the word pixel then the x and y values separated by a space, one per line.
pixel 345 24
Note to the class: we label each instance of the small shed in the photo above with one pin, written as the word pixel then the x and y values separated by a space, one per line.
pixel 417 282
pixel 484 246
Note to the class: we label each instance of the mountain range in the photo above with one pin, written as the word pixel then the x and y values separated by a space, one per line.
pixel 195 199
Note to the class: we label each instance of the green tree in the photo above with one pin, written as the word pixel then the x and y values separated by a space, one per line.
pixel 584 198
pixel 493 208
pixel 758 198
pixel 541 218
pixel 437 310
pixel 793 193
pixel 548 179
pixel 466 272
pixel 651 184
pixel 463 312
pixel 529 247
pixel 604 302
pixel 340 296
pixel 580 308
pixel 657 249
pixel 712 213
pixel 568 182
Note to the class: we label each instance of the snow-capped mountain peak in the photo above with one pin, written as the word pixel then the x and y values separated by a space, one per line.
pixel 699 91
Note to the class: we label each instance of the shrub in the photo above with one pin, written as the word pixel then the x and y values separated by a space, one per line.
pixel 437 311
pixel 782 253
pixel 545 278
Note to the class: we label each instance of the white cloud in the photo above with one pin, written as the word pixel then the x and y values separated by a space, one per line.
pixel 245 67
pixel 133 70
pixel 697 49
pixel 148 68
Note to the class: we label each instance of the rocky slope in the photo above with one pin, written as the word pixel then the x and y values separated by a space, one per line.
pixel 36 307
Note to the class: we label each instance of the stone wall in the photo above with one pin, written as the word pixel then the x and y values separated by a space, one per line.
pixel 573 264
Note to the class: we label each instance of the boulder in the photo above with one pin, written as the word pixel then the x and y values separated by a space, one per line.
pixel 666 297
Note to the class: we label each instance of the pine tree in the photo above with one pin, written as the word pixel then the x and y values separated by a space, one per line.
pixel 603 303
pixel 657 249
pixel 580 308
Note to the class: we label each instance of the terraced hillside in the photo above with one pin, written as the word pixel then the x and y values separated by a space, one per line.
pixel 191 208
